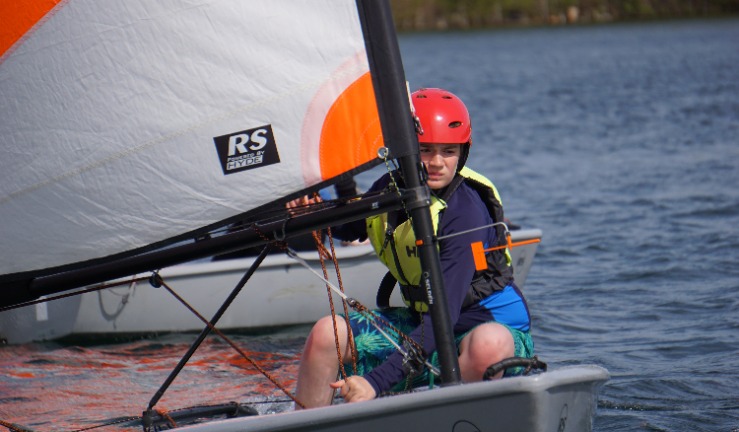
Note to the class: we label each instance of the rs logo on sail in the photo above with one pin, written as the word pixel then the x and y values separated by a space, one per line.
pixel 247 149
pixel 237 143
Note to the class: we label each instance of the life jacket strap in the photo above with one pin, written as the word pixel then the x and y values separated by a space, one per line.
pixel 385 290
pixel 413 296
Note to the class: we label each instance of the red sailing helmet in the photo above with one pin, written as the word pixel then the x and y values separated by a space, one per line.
pixel 443 117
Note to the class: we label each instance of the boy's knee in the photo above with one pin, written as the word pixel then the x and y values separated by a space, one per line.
pixel 322 335
pixel 492 345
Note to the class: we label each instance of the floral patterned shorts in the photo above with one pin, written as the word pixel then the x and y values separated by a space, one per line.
pixel 373 347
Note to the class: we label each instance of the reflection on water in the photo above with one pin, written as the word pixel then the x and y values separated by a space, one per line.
pixel 56 387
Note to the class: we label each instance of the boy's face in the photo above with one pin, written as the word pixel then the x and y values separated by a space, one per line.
pixel 441 163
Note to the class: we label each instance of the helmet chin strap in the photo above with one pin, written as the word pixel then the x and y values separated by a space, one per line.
pixel 465 152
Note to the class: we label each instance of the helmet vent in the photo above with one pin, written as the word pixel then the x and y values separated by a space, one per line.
pixel 455 124
pixel 446 97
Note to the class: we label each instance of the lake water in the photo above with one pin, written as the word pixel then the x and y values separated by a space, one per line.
pixel 621 142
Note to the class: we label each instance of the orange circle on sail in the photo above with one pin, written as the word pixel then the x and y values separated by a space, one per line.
pixel 351 132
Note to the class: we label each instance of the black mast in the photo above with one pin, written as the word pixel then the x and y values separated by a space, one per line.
pixel 400 136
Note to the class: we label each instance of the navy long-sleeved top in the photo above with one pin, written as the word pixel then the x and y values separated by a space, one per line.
pixel 465 211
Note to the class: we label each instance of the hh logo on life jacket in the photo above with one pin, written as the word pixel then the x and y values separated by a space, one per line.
pixel 251 148
pixel 411 251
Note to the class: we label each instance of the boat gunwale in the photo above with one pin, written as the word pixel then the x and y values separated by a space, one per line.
pixel 536 384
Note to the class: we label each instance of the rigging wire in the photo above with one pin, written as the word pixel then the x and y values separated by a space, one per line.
pixel 359 307
pixel 231 343
pixel 74 293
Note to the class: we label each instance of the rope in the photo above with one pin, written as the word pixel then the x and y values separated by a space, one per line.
pixel 414 347
pixel 166 416
pixel 233 345
pixel 350 337
pixel 14 427
pixel 359 307
pixel 352 344
pixel 324 254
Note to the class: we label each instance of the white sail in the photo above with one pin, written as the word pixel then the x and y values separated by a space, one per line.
pixel 125 123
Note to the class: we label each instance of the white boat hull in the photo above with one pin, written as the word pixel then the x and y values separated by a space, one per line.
pixel 562 400
pixel 281 292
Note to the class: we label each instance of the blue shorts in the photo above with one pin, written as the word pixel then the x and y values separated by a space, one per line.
pixel 373 348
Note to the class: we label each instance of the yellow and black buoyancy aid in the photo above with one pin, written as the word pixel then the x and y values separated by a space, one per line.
pixel 395 244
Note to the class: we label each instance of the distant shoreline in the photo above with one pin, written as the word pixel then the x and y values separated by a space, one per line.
pixel 513 26
pixel 440 15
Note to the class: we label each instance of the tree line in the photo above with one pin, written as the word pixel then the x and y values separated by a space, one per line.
pixel 464 14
